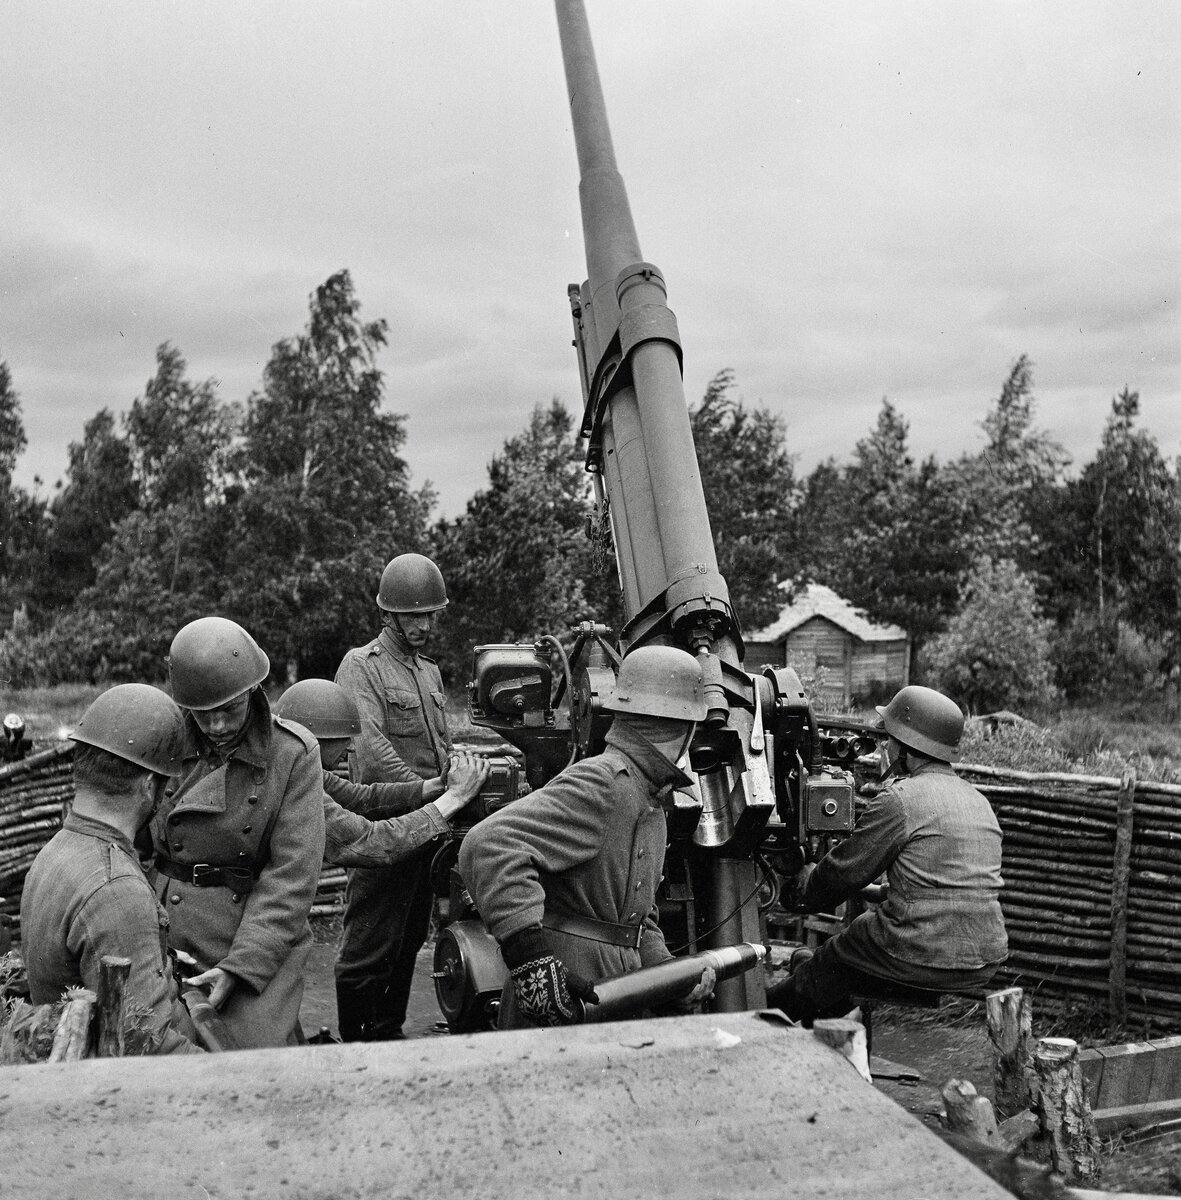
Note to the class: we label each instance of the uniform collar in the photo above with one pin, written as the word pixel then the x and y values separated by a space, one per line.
pixel 254 745
pixel 393 643
pixel 658 770
pixel 92 827
pixel 930 766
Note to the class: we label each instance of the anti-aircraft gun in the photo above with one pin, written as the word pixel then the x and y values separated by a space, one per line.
pixel 774 788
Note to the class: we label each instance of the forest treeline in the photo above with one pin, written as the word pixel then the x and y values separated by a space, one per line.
pixel 1021 576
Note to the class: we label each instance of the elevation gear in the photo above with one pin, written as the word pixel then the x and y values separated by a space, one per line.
pixel 925 720
pixel 212 661
pixel 136 722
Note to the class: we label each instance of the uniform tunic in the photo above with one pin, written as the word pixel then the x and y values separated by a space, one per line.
pixel 589 843
pixel 262 810
pixel 86 896
pixel 403 739
pixel 937 839
pixel 374 839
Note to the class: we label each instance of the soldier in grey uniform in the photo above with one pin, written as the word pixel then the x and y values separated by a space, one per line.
pixel 565 878
pixel 239 840
pixel 372 824
pixel 937 841
pixel 403 739
pixel 86 894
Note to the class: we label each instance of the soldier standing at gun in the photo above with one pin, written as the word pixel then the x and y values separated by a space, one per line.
pixel 239 841
pixel 86 895
pixel 403 739
pixel 565 878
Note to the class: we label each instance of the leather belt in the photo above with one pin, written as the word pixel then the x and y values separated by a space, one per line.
pixel 238 879
pixel 594 930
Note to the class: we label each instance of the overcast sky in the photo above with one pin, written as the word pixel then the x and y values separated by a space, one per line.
pixel 848 201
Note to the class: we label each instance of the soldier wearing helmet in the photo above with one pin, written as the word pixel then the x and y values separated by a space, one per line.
pixel 86 894
pixel 372 824
pixel 403 739
pixel 565 878
pixel 937 841
pixel 239 839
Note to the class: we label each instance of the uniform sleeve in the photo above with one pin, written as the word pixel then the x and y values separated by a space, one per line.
pixel 122 919
pixel 276 910
pixel 374 800
pixel 880 833
pixel 653 948
pixel 380 761
pixel 554 829
pixel 353 841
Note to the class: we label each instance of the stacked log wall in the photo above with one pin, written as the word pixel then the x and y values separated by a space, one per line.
pixel 1091 922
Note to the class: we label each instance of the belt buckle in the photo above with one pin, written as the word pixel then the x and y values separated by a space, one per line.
pixel 203 873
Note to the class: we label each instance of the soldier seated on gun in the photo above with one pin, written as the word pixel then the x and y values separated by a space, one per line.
pixel 940 927
pixel 372 824
pixel 86 894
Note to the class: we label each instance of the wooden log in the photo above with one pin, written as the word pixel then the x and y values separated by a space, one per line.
pixel 1066 1120
pixel 1010 1030
pixel 846 1038
pixel 968 1113
pixel 71 1041
pixel 112 980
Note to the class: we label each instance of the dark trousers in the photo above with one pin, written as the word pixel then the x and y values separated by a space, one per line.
pixel 825 985
pixel 386 920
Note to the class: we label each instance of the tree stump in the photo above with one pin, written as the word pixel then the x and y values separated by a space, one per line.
pixel 1065 1115
pixel 72 1039
pixel 1010 1029
pixel 113 973
pixel 969 1113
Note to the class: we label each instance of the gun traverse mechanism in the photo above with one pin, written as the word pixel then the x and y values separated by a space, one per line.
pixel 768 789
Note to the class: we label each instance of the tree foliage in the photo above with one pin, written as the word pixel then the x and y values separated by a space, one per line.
pixel 995 651
pixel 100 492
pixel 518 563
pixel 748 476
pixel 325 499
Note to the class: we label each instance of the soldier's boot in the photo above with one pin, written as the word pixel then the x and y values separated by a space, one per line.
pixel 355 1011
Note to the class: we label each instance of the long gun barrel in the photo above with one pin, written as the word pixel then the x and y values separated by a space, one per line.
pixel 669 981
pixel 647 481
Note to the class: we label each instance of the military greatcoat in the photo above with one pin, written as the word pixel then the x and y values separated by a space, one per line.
pixel 261 810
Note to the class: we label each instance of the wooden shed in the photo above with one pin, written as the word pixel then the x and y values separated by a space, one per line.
pixel 861 660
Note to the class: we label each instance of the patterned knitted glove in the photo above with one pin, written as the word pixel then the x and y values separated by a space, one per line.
pixel 546 989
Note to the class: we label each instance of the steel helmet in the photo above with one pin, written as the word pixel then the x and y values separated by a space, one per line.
pixel 926 721
pixel 659 681
pixel 137 722
pixel 411 583
pixel 322 707
pixel 212 661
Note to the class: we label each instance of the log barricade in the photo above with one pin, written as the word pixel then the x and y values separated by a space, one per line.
pixel 34 794
pixel 1092 896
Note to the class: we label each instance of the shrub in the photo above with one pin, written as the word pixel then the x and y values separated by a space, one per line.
pixel 995 652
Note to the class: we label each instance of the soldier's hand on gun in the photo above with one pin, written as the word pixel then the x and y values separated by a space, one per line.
pixel 547 991
pixel 705 987
pixel 220 984
pixel 466 775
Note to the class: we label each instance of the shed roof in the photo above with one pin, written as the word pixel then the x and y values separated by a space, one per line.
pixel 816 600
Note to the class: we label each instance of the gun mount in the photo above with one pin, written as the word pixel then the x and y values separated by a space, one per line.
pixel 773 789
